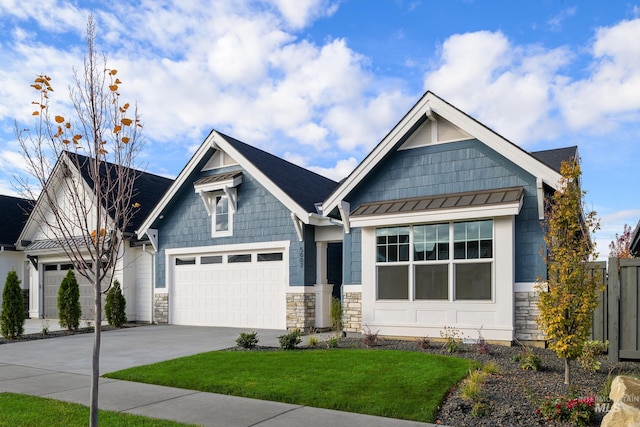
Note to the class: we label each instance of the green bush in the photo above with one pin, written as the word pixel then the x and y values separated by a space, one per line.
pixel 247 339
pixel 332 342
pixel 291 340
pixel 529 360
pixel 591 351
pixel 69 310
pixel 115 307
pixel 12 319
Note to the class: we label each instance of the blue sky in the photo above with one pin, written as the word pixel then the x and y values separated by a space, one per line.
pixel 320 82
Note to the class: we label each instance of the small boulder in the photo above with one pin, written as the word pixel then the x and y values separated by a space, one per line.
pixel 625 409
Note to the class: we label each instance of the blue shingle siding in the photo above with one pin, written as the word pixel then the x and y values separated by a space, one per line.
pixel 260 217
pixel 453 168
pixel 352 263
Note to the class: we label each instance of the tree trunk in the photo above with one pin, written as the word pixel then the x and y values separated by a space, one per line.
pixel 567 372
pixel 95 373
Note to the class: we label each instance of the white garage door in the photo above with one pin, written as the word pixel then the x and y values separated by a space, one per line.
pixel 53 275
pixel 238 290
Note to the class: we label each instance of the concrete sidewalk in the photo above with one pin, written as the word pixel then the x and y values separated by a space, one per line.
pixel 59 368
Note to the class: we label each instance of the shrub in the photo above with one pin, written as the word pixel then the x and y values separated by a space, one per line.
pixel 529 360
pixel 490 368
pixel 12 319
pixel 291 340
pixel 369 338
pixel 247 339
pixel 69 302
pixel 591 350
pixel 453 339
pixel 115 307
pixel 313 341
pixel 336 314
pixel 577 411
pixel 332 342
pixel 470 389
pixel 479 409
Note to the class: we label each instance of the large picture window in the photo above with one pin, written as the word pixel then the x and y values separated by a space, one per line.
pixel 449 261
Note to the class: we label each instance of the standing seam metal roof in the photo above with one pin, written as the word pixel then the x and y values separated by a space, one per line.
pixel 448 201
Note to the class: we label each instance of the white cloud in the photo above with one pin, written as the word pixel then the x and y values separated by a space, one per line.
pixel 505 86
pixel 610 92
pixel 555 22
pixel 364 125
pixel 338 172
pixel 298 13
pixel 56 16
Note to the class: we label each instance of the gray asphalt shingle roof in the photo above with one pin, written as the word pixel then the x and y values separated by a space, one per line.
pixel 304 186
pixel 14 212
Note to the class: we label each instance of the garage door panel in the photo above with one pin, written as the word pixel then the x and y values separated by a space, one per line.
pixel 236 294
pixel 52 280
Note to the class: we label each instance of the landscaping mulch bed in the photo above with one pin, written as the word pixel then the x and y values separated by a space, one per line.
pixel 513 394
pixel 64 333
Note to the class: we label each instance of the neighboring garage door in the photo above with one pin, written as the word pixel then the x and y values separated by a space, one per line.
pixel 238 289
pixel 53 275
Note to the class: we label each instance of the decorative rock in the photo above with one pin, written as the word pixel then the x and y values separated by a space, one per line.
pixel 625 410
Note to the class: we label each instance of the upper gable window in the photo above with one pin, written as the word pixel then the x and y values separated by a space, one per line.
pixel 221 216
pixel 220 197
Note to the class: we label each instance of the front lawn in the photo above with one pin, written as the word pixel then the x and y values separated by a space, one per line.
pixel 24 410
pixel 390 383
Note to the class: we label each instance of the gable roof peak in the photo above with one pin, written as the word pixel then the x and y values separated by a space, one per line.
pixel 425 109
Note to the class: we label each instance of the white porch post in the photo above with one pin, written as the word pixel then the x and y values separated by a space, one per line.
pixel 35 282
pixel 322 289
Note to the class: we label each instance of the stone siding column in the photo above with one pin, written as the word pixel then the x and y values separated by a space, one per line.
pixel 161 308
pixel 352 311
pixel 301 311
pixel 526 311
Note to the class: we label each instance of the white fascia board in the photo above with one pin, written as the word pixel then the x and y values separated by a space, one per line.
pixel 429 104
pixel 283 197
pixel 378 153
pixel 209 142
pixel 443 215
pixel 319 220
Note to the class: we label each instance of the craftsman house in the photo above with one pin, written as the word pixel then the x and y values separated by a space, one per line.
pixel 438 226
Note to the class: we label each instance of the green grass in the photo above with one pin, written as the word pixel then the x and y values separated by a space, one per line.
pixel 387 383
pixel 23 410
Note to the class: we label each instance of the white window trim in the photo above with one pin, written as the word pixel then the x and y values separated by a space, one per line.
pixel 210 192
pixel 451 263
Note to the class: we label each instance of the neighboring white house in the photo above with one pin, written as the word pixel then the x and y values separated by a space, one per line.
pixel 48 262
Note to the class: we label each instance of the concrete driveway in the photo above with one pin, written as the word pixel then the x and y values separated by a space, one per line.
pixel 60 368
pixel 124 348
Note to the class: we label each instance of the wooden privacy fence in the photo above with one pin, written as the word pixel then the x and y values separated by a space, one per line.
pixel 622 305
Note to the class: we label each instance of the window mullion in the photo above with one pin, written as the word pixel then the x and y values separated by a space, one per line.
pixel 411 269
pixel 450 263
